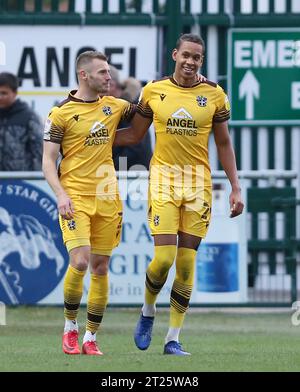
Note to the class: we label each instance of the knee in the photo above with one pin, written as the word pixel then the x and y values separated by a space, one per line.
pixel 100 269
pixel 80 263
pixel 79 259
pixel 185 265
pixel 99 264
pixel 185 275
pixel 164 258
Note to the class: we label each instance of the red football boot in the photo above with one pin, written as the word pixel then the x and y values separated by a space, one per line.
pixel 70 343
pixel 91 348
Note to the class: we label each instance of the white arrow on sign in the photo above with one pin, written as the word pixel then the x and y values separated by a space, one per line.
pixel 249 88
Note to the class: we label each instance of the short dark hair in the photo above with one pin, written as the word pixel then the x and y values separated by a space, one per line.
pixel 9 80
pixel 86 57
pixel 190 38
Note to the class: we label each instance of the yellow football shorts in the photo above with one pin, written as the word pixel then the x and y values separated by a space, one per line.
pixel 97 222
pixel 173 209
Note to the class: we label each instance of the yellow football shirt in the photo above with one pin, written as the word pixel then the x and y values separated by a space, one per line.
pixel 86 131
pixel 183 119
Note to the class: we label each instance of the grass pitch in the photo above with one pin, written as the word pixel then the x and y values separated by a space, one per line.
pixel 218 341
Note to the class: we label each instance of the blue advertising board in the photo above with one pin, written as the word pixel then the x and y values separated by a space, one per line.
pixel 33 259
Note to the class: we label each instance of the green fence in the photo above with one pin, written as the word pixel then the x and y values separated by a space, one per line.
pixel 272 279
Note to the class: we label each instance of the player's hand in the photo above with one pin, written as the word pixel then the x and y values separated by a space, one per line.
pixel 65 206
pixel 201 78
pixel 236 203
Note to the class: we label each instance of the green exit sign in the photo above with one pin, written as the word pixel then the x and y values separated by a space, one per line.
pixel 264 76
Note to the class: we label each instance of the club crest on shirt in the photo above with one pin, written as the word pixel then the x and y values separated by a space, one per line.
pixel 107 110
pixel 202 101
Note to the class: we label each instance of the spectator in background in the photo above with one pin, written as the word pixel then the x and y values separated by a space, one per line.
pixel 139 154
pixel 21 136
pixel 115 87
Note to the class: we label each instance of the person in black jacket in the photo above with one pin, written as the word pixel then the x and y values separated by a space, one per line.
pixel 21 136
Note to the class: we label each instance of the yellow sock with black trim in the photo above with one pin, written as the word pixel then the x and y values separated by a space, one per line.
pixel 182 286
pixel 73 289
pixel 97 301
pixel 157 271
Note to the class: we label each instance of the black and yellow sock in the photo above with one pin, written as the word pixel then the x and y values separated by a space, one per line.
pixel 157 271
pixel 73 289
pixel 97 301
pixel 182 286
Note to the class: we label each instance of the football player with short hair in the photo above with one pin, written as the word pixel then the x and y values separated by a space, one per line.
pixel 184 109
pixel 82 128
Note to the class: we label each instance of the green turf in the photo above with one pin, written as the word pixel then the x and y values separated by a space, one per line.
pixel 31 341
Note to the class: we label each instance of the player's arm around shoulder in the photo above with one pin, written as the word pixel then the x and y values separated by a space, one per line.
pixel 133 134
pixel 139 125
